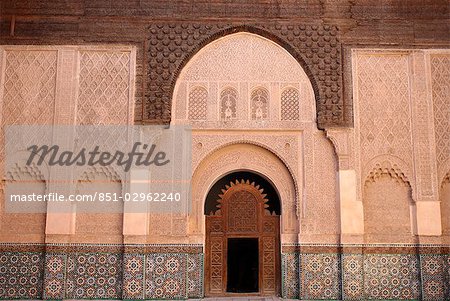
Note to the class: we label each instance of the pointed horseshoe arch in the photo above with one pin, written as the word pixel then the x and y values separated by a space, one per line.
pixel 243 240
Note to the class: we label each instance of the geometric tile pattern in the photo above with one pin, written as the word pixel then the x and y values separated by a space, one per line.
pixel 133 276
pixel 195 275
pixel 165 276
pixel 21 275
pixel 290 263
pixel 391 276
pixel 55 276
pixel 435 271
pixel 320 276
pixel 366 276
pixel 94 276
pixel 162 276
pixel 353 276
pixel 153 274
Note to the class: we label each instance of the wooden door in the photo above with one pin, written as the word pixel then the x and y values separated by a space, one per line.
pixel 242 213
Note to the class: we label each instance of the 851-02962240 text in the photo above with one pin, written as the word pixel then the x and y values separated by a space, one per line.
pixel 99 197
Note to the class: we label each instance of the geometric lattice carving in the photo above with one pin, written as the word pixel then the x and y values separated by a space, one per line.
pixel 316 47
pixel 29 88
pixel 382 83
pixel 198 98
pixel 290 104
pixel 242 215
pixel 242 212
pixel 259 103
pixel 440 75
pixel 228 104
pixel 103 94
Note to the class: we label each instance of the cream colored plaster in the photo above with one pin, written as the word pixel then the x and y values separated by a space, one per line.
pixel 135 220
pixel 429 218
pixel 352 215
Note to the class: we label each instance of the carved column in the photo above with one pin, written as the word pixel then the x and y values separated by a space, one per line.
pixel 427 203
pixel 60 216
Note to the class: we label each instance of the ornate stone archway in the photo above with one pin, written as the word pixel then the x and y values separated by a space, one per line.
pixel 243 157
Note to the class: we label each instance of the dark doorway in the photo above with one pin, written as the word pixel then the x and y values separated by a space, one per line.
pixel 242 265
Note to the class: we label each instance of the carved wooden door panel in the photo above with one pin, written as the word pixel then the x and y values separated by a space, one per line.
pixel 242 213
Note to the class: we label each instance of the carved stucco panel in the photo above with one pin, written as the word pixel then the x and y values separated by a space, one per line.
pixel 445 204
pixel 320 215
pixel 12 226
pixel 90 226
pixel 382 85
pixel 105 87
pixel 383 115
pixel 241 63
pixel 28 83
pixel 422 122
pixel 53 85
pixel 440 81
pixel 284 145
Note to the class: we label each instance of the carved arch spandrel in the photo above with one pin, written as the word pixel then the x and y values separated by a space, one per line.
pixel 243 157
pixel 297 39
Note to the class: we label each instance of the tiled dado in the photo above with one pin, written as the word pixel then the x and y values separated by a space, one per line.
pixel 313 272
pixel 320 272
pixel 101 272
